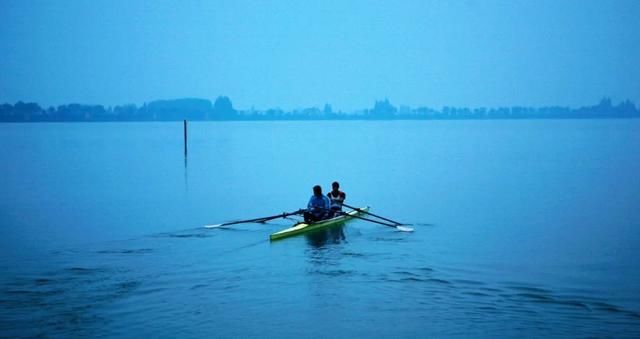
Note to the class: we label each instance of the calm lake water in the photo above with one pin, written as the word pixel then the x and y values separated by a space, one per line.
pixel 522 228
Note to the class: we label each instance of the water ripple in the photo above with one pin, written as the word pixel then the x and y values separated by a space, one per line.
pixel 127 251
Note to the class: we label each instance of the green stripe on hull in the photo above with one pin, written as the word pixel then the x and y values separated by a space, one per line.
pixel 304 227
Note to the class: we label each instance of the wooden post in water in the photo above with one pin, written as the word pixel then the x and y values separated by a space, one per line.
pixel 185 138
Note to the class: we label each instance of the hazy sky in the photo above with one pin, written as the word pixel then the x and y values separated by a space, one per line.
pixel 293 54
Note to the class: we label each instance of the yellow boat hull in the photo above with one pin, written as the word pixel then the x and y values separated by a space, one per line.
pixel 307 227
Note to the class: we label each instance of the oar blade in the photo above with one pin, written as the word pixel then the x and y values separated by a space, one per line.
pixel 213 226
pixel 404 228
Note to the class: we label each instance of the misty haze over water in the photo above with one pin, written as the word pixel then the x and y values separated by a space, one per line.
pixel 504 133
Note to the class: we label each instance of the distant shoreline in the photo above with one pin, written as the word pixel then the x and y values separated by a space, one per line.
pixel 194 109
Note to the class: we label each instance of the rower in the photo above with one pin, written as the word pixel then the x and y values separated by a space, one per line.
pixel 337 197
pixel 318 207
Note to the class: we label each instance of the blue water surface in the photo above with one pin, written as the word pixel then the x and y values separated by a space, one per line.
pixel 522 228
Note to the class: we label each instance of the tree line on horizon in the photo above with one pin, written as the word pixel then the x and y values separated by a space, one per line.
pixel 195 109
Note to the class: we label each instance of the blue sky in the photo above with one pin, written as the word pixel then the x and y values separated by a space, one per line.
pixel 294 54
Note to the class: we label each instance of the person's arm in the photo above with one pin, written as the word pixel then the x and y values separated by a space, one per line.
pixel 309 203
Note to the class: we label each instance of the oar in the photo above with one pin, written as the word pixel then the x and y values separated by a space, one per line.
pixel 375 215
pixel 263 219
pixel 398 227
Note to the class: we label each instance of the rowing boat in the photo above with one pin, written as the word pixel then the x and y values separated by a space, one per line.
pixel 303 227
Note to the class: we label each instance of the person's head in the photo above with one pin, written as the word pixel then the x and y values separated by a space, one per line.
pixel 317 190
pixel 335 185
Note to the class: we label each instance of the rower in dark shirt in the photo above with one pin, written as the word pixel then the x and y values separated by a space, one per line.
pixel 318 207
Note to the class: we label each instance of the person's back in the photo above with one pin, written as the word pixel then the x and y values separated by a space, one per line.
pixel 336 198
pixel 318 206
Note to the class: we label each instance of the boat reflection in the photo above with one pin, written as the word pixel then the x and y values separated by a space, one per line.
pixel 331 235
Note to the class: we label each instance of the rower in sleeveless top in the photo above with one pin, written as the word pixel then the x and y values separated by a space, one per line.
pixel 336 197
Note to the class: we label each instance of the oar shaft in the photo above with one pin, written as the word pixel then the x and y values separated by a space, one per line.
pixel 263 219
pixel 375 215
pixel 370 220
